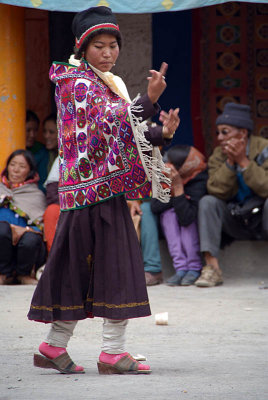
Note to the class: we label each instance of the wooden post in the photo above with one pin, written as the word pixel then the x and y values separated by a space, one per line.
pixel 12 81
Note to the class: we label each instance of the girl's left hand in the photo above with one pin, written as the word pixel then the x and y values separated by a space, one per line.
pixel 170 121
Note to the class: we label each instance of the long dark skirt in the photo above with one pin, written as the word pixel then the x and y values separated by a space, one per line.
pixel 94 268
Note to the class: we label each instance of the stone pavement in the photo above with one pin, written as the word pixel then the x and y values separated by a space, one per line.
pixel 214 346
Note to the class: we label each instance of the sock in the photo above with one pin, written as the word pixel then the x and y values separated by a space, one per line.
pixel 113 358
pixel 52 352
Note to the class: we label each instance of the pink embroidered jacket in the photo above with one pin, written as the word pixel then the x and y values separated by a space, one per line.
pixel 98 152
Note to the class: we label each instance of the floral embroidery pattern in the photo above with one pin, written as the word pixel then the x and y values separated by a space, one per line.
pixel 99 157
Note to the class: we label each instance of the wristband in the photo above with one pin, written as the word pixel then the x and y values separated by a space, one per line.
pixel 167 137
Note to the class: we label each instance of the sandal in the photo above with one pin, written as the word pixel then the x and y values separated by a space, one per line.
pixel 62 363
pixel 126 365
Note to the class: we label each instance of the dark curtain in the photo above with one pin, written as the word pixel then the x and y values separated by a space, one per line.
pixel 172 43
pixel 61 40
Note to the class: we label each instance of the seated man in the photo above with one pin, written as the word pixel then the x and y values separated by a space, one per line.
pixel 238 174
pixel 149 239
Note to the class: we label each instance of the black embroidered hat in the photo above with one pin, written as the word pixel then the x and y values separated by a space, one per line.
pixel 237 115
pixel 89 21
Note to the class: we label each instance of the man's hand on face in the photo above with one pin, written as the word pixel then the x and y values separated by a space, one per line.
pixel 236 150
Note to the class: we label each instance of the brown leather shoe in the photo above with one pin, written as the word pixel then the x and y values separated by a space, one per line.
pixel 153 279
pixel 209 277
pixel 3 279
pixel 27 280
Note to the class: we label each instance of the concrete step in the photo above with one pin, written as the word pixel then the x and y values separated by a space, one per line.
pixel 240 259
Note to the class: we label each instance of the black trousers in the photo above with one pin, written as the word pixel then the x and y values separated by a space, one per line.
pixel 214 217
pixel 30 251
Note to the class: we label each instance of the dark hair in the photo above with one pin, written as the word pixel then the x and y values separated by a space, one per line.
pixel 78 52
pixel 31 116
pixel 28 157
pixel 51 117
pixel 177 154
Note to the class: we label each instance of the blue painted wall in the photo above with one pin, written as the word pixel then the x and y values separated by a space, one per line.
pixel 172 43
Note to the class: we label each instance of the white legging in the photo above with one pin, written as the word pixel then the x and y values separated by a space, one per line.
pixel 113 336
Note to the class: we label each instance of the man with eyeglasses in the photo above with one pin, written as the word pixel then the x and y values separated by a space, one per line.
pixel 238 174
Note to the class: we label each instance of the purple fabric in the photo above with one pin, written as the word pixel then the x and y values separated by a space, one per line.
pixel 183 242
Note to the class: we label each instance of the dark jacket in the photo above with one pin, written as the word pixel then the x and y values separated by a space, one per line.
pixel 186 205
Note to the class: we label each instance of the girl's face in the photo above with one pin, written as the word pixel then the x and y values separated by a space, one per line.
pixel 18 169
pixel 50 134
pixel 102 52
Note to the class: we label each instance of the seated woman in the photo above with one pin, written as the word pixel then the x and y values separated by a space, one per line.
pixel 178 218
pixel 22 206
pixel 146 225
pixel 50 134
pixel 52 212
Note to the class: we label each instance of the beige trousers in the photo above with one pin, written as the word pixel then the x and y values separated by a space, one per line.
pixel 113 337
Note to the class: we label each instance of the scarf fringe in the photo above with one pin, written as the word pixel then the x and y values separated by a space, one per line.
pixel 153 164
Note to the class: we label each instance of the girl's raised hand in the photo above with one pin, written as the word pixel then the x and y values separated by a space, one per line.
pixel 157 83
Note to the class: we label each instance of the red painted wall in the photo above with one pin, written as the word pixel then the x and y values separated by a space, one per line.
pixel 38 88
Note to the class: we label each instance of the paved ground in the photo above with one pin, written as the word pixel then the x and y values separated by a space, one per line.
pixel 214 347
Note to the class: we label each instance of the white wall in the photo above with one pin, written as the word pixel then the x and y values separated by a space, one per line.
pixel 135 58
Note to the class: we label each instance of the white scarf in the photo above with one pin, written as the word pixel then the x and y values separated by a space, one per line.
pixel 114 82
